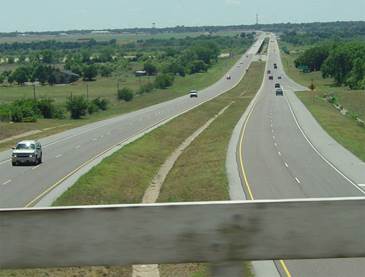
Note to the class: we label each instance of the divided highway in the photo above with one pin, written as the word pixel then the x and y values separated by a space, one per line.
pixel 277 162
pixel 67 151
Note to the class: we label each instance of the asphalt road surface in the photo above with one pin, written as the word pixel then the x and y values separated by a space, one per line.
pixel 280 163
pixel 67 151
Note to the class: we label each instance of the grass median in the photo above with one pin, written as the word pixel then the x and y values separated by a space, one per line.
pixel 198 175
pixel 344 129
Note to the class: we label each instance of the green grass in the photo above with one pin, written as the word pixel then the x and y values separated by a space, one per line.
pixel 124 176
pixel 104 87
pixel 343 129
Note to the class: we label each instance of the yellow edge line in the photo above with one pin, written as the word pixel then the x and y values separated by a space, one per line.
pixel 248 186
pixel 40 196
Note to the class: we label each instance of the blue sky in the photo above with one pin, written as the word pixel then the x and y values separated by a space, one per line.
pixel 41 15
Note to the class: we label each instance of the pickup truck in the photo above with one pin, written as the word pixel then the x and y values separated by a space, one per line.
pixel 27 151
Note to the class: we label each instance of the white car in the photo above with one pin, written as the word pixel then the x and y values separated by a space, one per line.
pixel 27 151
pixel 193 93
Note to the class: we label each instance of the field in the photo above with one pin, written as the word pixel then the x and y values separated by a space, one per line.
pixel 342 128
pixel 107 88
pixel 121 38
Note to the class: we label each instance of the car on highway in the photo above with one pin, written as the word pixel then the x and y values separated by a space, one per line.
pixel 228 77
pixel 27 152
pixel 269 72
pixel 279 77
pixel 275 66
pixel 193 93
pixel 271 77
pixel 277 85
pixel 279 92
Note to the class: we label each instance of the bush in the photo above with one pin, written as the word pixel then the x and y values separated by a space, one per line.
pixel 5 114
pixel 59 112
pixel 46 107
pixel 164 81
pixel 24 110
pixel 77 106
pixel 125 94
pixel 92 108
pixel 101 103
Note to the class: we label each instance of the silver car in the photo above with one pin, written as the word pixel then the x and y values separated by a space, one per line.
pixel 27 151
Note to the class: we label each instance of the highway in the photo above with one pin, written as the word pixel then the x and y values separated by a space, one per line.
pixel 278 162
pixel 66 152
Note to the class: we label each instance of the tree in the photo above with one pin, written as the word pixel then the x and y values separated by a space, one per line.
pixel 164 81
pixel 198 66
pixel 89 72
pixel 20 75
pixel 150 68
pixel 77 106
pixel 105 70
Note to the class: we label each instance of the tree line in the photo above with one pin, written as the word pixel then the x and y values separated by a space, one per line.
pixel 343 61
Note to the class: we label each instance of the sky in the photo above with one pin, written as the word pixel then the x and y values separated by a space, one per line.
pixel 52 15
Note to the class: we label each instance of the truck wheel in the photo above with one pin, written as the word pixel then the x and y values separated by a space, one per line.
pixel 13 163
pixel 40 159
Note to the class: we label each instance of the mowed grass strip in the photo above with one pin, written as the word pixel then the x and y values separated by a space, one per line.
pixel 343 129
pixel 124 176
pixel 200 173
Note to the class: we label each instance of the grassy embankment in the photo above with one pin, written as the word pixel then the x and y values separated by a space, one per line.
pixel 342 128
pixel 104 87
pixel 198 175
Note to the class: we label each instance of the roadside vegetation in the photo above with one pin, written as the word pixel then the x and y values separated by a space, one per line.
pixel 195 177
pixel 174 64
pixel 337 72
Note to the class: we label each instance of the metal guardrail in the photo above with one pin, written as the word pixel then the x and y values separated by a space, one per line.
pixel 215 232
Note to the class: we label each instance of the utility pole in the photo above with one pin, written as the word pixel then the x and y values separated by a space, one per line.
pixel 87 91
pixel 34 96
pixel 312 88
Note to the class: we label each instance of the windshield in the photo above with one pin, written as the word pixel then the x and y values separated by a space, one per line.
pixel 23 146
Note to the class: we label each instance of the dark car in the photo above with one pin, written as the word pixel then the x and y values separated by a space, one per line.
pixel 275 66
pixel 271 77
pixel 279 92
pixel 277 85
pixel 269 72
pixel 279 77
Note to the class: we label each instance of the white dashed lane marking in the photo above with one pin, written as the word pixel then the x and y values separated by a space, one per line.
pixel 35 167
pixel 298 181
pixel 58 156
pixel 286 165
pixel 7 182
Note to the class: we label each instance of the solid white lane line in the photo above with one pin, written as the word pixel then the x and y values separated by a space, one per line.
pixel 4 162
pixel 7 182
pixel 319 153
pixel 361 185
pixel 58 156
pixel 296 179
